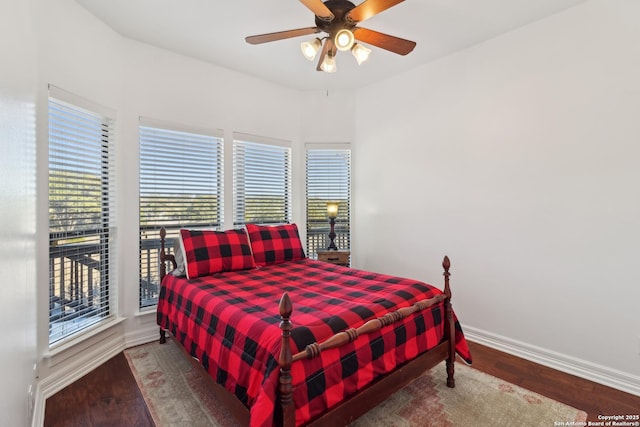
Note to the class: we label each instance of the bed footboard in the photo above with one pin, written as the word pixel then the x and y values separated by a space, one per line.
pixel 286 417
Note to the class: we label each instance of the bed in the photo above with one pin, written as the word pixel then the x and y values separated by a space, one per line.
pixel 287 340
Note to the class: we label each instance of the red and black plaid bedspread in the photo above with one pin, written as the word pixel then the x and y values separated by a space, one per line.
pixel 230 322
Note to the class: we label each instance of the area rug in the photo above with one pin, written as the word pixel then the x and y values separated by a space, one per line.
pixel 177 395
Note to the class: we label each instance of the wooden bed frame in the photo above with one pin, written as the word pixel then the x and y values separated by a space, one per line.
pixel 365 399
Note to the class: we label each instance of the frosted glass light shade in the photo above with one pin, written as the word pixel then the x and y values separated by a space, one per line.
pixel 332 209
pixel 361 53
pixel 310 48
pixel 329 64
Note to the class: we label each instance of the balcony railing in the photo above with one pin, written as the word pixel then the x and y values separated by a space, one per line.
pixel 318 238
pixel 150 269
pixel 78 290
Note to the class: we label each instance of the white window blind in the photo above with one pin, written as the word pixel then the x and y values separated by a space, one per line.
pixel 81 215
pixel 180 187
pixel 328 179
pixel 261 182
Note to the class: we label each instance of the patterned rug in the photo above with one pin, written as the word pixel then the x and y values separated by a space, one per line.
pixel 177 395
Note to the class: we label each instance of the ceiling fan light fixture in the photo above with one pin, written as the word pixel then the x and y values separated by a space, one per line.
pixel 360 52
pixel 328 64
pixel 338 20
pixel 344 39
pixel 310 48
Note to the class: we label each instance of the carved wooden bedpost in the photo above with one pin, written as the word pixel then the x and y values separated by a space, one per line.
pixel 285 360
pixel 450 328
pixel 163 253
pixel 163 272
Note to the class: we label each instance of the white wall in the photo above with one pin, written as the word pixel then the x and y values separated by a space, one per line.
pixel 17 210
pixel 327 116
pixel 519 158
pixel 81 55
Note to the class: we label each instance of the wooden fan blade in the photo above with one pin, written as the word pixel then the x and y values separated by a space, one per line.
pixel 280 35
pixel 369 8
pixel 384 41
pixel 328 46
pixel 319 9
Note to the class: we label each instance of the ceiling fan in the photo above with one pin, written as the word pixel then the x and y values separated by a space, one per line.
pixel 339 19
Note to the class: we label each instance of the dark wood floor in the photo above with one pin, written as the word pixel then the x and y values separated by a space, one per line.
pixel 109 396
pixel 593 398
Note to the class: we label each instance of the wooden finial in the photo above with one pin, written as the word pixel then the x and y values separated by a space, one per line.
pixel 446 264
pixel 286 308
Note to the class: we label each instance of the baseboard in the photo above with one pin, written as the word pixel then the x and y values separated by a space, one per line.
pixel 75 368
pixel 581 368
pixel 142 336
pixel 83 362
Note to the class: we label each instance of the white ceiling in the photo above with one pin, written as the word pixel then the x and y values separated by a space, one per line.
pixel 214 31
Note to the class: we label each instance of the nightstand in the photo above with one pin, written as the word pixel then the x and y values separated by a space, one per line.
pixel 340 257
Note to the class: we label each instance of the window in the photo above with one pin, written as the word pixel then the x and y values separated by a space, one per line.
pixel 180 187
pixel 328 179
pixel 261 181
pixel 81 214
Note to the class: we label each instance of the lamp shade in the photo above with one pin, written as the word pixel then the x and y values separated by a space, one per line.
pixel 329 64
pixel 361 53
pixel 332 209
pixel 311 48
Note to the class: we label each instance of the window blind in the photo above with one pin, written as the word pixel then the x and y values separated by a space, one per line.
pixel 328 179
pixel 81 216
pixel 261 182
pixel 180 187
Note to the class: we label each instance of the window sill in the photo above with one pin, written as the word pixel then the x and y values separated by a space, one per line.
pixel 146 312
pixel 71 346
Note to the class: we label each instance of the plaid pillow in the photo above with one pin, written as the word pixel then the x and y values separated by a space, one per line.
pixel 208 251
pixel 275 244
